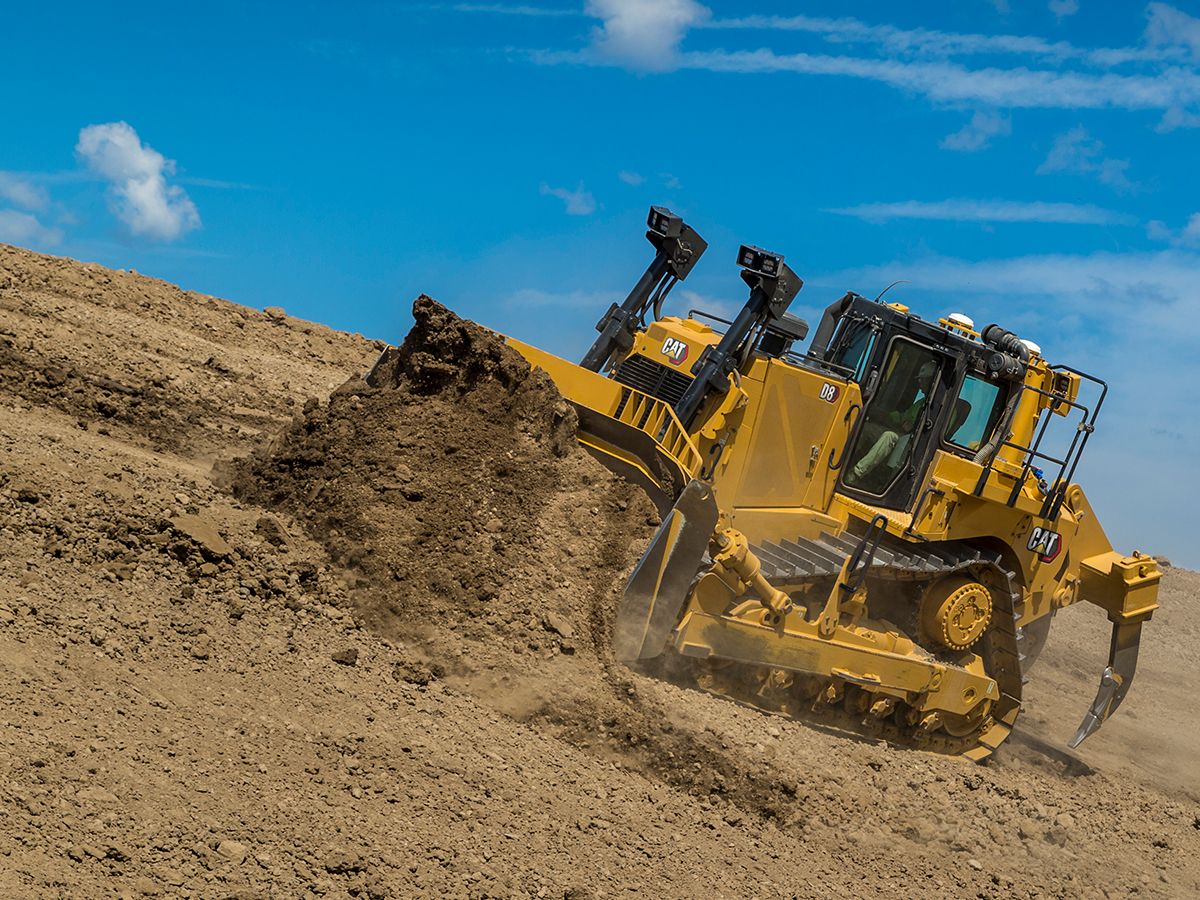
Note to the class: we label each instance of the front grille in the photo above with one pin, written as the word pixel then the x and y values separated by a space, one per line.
pixel 655 379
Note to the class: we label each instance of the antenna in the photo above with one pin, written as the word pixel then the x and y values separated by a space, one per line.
pixel 889 287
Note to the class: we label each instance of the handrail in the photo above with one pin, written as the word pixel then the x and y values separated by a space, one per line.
pixel 701 314
pixel 857 570
pixel 1087 423
pixel 849 429
pixel 1086 429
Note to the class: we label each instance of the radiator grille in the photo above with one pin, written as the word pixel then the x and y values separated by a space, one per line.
pixel 652 378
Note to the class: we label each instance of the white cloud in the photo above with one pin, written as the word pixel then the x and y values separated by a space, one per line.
pixel 1157 230
pixel 219 184
pixel 578 202
pixel 965 210
pixel 978 133
pixel 1178 118
pixel 1064 8
pixel 632 178
pixel 643 34
pixel 140 195
pixel 1169 32
pixel 505 10
pixel 25 229
pixel 1188 236
pixel 1191 231
pixel 1167 26
pixel 1015 88
pixel 1159 286
pixel 646 36
pixel 22 192
pixel 941 44
pixel 1076 151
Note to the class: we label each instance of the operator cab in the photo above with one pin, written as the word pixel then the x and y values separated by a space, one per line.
pixel 925 387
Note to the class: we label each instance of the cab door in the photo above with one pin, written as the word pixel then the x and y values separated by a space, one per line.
pixel 890 448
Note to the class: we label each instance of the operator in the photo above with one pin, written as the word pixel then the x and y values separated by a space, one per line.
pixel 886 432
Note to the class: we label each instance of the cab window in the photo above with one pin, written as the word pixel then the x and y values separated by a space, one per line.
pixel 855 351
pixel 976 410
pixel 893 419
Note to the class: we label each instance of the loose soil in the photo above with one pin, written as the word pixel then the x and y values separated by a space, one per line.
pixel 269 631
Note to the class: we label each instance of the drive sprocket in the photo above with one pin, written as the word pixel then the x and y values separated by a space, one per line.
pixel 955 611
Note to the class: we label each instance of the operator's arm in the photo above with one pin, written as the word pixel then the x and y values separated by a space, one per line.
pixel 906 421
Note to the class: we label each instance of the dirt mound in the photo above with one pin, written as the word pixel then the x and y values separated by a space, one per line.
pixel 455 490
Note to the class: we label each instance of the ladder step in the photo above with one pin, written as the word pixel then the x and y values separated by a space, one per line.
pixel 825 555
pixel 773 558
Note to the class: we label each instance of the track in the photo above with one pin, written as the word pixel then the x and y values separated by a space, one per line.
pixel 897 572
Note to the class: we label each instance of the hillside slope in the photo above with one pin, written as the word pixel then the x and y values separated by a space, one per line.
pixel 213 694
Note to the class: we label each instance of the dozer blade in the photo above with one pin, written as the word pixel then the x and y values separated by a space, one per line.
pixel 1115 680
pixel 659 586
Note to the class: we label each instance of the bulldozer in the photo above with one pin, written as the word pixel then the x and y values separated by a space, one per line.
pixel 876 530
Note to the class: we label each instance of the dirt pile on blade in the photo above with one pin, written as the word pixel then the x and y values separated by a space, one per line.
pixel 456 492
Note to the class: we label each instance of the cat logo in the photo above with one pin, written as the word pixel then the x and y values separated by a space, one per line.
pixel 829 392
pixel 1045 543
pixel 675 350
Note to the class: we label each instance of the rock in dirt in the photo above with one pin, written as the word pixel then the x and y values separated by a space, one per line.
pixel 558 625
pixel 234 851
pixel 271 530
pixel 344 862
pixel 419 674
pixel 346 657
pixel 203 532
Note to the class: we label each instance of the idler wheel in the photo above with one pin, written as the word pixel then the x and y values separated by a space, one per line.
pixel 961 726
pixel 955 612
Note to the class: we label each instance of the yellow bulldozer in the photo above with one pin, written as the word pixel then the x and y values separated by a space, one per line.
pixel 876 530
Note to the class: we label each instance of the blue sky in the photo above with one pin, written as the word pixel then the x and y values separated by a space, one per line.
pixel 1030 162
